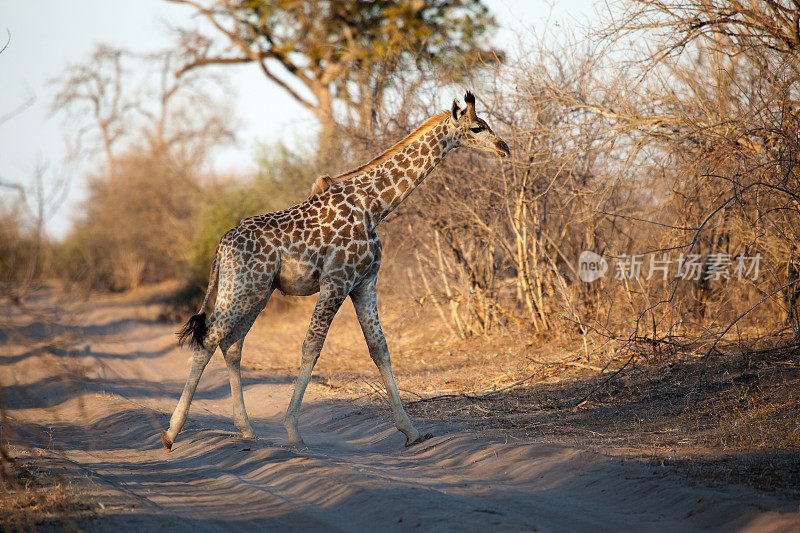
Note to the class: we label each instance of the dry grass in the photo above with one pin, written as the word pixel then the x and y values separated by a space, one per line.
pixel 739 427
pixel 34 498
pixel 425 356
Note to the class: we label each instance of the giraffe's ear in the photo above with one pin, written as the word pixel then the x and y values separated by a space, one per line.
pixel 455 109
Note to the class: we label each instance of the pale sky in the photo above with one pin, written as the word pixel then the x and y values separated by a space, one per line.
pixel 46 37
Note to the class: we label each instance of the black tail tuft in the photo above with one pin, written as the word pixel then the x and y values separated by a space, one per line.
pixel 195 328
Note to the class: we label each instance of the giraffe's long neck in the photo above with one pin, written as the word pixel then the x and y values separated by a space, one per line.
pixel 390 182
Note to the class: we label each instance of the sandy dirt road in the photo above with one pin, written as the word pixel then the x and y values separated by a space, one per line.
pixel 102 404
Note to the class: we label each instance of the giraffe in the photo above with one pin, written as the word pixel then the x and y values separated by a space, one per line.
pixel 326 244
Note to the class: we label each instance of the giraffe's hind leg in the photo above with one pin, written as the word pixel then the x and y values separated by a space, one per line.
pixel 231 347
pixel 222 321
pixel 200 357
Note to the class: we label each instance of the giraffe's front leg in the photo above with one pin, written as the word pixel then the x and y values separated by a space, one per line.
pixel 330 299
pixel 365 302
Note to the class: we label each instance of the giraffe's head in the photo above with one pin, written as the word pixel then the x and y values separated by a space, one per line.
pixel 472 131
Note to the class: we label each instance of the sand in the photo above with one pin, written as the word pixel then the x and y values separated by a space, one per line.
pixel 97 407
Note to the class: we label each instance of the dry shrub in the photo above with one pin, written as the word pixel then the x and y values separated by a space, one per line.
pixel 138 224
pixel 151 133
pixel 18 247
pixel 34 498
pixel 626 151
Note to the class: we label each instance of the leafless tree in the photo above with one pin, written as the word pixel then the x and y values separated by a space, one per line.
pixel 95 96
pixel 157 130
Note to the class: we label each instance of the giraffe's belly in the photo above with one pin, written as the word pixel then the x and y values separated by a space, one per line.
pixel 298 277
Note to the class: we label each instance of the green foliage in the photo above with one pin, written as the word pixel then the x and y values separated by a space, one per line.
pixel 234 202
pixel 75 257
pixel 284 176
pixel 353 52
pixel 363 33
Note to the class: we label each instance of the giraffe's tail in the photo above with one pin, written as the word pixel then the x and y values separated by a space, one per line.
pixel 196 328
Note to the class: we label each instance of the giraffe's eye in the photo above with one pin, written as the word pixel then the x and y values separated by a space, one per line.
pixel 476 129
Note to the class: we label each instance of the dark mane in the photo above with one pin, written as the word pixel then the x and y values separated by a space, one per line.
pixel 432 122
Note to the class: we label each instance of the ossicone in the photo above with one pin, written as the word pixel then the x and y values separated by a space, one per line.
pixel 458 112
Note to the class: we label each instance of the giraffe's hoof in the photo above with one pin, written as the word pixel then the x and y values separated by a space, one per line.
pixel 166 441
pixel 295 442
pixel 418 439
pixel 248 434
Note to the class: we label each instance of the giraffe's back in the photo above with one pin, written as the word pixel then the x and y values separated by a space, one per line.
pixel 293 249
